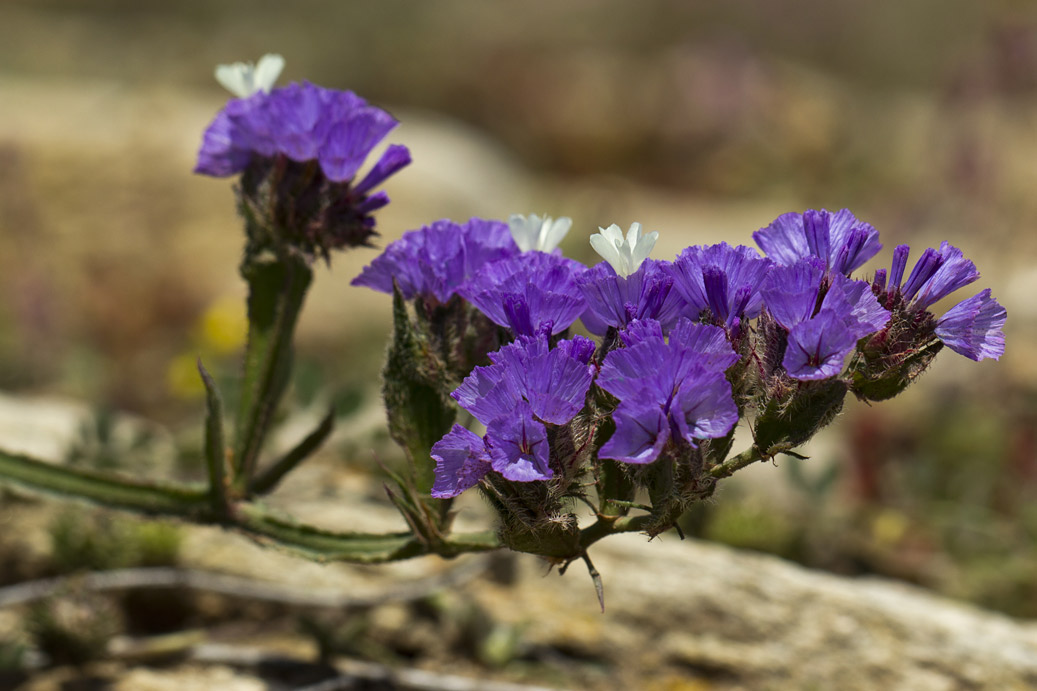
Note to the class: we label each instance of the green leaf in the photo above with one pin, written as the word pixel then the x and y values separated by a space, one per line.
pixel 215 448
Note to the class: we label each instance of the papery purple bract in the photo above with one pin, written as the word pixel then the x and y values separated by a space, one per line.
pixel 461 461
pixel 528 385
pixel 304 122
pixel 437 259
pixel 722 279
pixel 528 290
pixel 615 301
pixel 974 327
pixel 817 347
pixel 674 390
pixel 820 333
pixel 839 239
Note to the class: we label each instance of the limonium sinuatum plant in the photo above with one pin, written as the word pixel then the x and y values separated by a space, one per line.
pixel 487 385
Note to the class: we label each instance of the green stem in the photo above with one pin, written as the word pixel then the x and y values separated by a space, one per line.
pixel 735 463
pixel 612 525
pixel 277 290
pixel 194 504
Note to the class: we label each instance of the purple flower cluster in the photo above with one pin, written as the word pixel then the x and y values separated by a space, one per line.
pixel 302 122
pixel 437 260
pixel 684 330
pixel 614 300
pixel 721 283
pixel 973 327
pixel 527 292
pixel 528 386
pixel 672 390
pixel 839 239
pixel 299 149
pixel 822 327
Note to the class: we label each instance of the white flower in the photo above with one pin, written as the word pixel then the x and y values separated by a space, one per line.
pixel 535 233
pixel 244 79
pixel 624 254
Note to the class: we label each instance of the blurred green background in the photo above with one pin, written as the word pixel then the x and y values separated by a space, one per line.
pixel 702 120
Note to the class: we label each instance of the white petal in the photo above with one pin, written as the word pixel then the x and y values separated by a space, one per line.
pixel 552 232
pixel 609 252
pixel 236 78
pixel 634 234
pixel 642 249
pixel 524 230
pixel 268 69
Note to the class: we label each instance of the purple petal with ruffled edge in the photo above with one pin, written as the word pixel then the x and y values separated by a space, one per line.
pixel 842 241
pixel 974 327
pixel 790 292
pixel 518 447
pixel 954 272
pixel 526 290
pixel 349 141
pixel 553 381
pixel 221 153
pixel 615 301
pixel 437 259
pixel 485 394
pixel 642 431
pixel 301 121
pixel 708 343
pixel 461 461
pixel 703 407
pixel 724 279
pixel 817 347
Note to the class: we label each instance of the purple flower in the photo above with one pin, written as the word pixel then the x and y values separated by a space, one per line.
pixel 461 461
pixel 528 386
pixel 302 122
pixel 436 260
pixel 667 391
pixel 526 291
pixel 614 300
pixel 822 329
pixel 972 328
pixel 839 239
pixel 298 149
pixel 722 279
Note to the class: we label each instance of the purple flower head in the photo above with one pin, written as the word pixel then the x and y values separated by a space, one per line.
pixel 722 279
pixel 972 328
pixel 817 347
pixel 461 461
pixel 528 386
pixel 822 330
pixel 303 122
pixel 667 391
pixel 839 239
pixel 298 149
pixel 527 291
pixel 436 260
pixel 936 274
pixel 614 300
